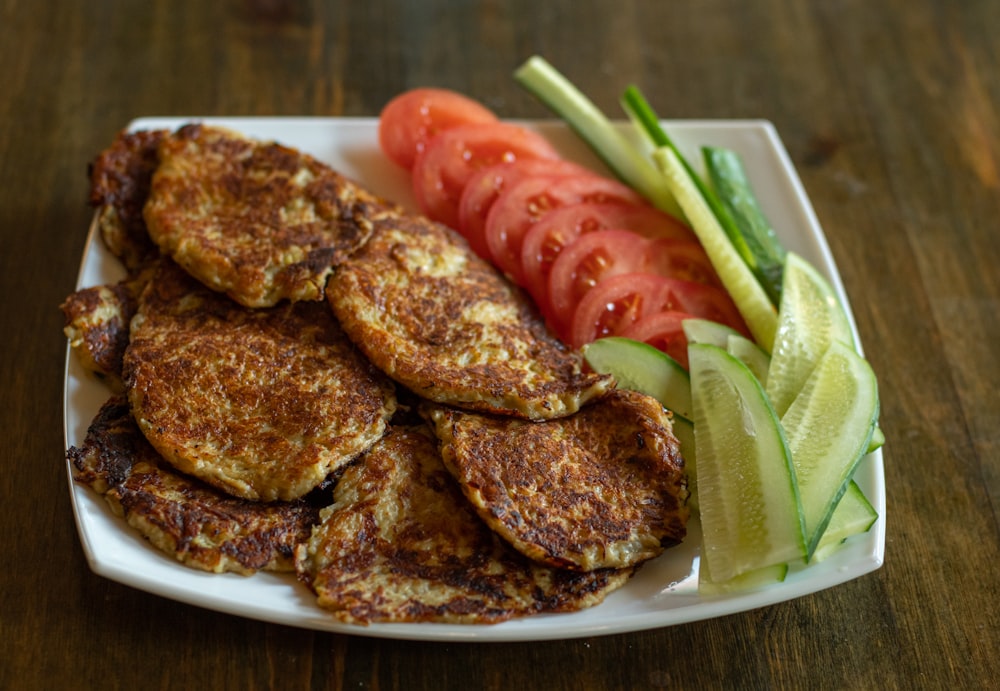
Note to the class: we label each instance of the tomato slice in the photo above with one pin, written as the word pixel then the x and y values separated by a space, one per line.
pixel 665 331
pixel 450 159
pixel 683 259
pixel 522 204
pixel 412 118
pixel 616 303
pixel 485 186
pixel 619 301
pixel 585 262
pixel 559 227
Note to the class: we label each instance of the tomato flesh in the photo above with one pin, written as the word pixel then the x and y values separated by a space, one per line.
pixel 664 331
pixel 450 159
pixel 560 227
pixel 521 205
pixel 485 186
pixel 412 118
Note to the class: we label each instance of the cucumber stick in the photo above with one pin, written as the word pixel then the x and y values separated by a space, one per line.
pixel 764 252
pixel 627 162
pixel 854 515
pixel 751 516
pixel 751 300
pixel 829 426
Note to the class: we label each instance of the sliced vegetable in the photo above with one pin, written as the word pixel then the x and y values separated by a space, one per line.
pixel 765 253
pixel 854 515
pixel 829 426
pixel 414 117
pixel 751 580
pixel 549 86
pixel 750 298
pixel 641 367
pixel 751 516
pixel 809 320
pixel 751 355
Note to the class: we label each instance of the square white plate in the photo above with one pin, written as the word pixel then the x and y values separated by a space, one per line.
pixel 663 593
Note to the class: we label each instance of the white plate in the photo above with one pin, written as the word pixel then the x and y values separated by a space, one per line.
pixel 663 593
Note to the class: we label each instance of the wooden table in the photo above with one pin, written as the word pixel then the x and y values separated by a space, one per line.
pixel 889 111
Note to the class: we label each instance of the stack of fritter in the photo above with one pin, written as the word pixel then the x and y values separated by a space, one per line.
pixel 305 377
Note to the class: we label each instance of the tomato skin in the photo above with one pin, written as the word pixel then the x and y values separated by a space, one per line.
pixel 521 205
pixel 664 331
pixel 618 302
pixel 485 186
pixel 411 119
pixel 683 259
pixel 560 227
pixel 585 262
pixel 450 159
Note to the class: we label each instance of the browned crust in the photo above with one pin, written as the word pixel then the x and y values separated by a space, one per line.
pixel 263 404
pixel 257 220
pixel 602 488
pixel 120 180
pixel 181 516
pixel 438 319
pixel 400 544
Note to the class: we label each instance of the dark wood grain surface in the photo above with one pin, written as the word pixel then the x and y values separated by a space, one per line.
pixel 890 113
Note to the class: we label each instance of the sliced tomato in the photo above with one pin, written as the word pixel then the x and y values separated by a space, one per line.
pixel 585 262
pixel 450 159
pixel 709 302
pixel 412 118
pixel 619 301
pixel 616 303
pixel 683 259
pixel 559 227
pixel 485 186
pixel 521 205
pixel 664 331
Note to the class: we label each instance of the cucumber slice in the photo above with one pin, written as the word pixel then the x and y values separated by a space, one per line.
pixel 751 300
pixel 751 515
pixel 745 581
pixel 641 367
pixel 627 162
pixel 684 431
pixel 829 426
pixel 810 318
pixel 751 355
pixel 707 331
pixel 854 515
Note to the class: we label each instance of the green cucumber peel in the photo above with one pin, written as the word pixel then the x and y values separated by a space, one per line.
pixel 735 194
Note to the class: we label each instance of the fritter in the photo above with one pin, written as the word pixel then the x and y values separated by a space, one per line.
pixel 120 179
pixel 198 525
pixel 262 404
pixel 604 487
pixel 438 319
pixel 400 544
pixel 256 220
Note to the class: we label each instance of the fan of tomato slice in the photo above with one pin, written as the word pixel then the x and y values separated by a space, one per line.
pixel 442 170
pixel 560 227
pixel 522 204
pixel 414 117
pixel 619 302
pixel 485 186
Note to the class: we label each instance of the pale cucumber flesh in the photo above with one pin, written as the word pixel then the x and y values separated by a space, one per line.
pixel 829 426
pixel 750 512
pixel 641 367
pixel 854 515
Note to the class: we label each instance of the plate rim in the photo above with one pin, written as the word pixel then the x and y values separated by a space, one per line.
pixel 86 504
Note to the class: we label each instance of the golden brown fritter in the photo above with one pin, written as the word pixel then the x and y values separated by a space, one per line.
pixel 120 179
pixel 263 404
pixel 400 544
pixel 256 220
pixel 438 319
pixel 198 525
pixel 602 488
